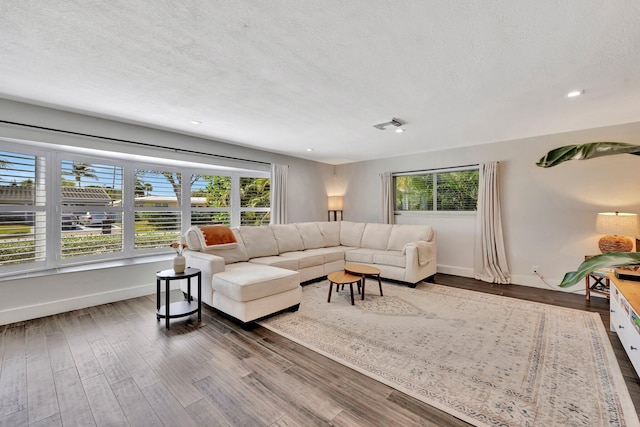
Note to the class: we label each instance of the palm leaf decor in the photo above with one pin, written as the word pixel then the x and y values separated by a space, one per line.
pixel 590 150
pixel 609 259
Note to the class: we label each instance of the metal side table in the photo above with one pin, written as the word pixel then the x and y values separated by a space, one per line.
pixel 181 308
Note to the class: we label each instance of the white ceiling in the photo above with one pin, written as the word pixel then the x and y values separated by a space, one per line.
pixel 287 75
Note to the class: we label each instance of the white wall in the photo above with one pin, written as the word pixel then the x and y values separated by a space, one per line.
pixel 549 214
pixel 39 295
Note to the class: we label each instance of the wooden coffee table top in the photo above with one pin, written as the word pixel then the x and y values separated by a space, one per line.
pixel 361 269
pixel 342 278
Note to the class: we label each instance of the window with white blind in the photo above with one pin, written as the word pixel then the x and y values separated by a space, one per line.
pixel 255 200
pixel 63 206
pixel 22 210
pixel 91 209
pixel 211 199
pixel 157 208
pixel 438 190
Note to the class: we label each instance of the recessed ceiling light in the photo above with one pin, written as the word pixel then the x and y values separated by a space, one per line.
pixel 309 149
pixel 195 122
pixel 575 93
pixel 399 130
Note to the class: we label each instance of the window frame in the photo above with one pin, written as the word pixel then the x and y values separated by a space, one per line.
pixel 52 157
pixel 434 211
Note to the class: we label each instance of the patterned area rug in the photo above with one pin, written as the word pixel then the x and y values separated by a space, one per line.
pixel 486 359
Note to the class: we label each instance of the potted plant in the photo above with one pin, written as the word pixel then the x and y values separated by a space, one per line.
pixel 583 152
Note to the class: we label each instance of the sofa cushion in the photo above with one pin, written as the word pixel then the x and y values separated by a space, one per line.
pixel 395 258
pixel 335 253
pixel 247 282
pixel 376 236
pixel 305 259
pixel 277 261
pixel 351 233
pixel 287 237
pixel 403 234
pixel 311 235
pixel 259 241
pixel 360 255
pixel 330 233
pixel 235 252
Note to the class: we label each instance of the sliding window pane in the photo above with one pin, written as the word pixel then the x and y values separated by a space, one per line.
pixel 255 201
pixel 414 192
pixel 457 191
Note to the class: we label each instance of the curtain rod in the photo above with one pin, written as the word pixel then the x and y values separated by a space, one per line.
pixel 142 144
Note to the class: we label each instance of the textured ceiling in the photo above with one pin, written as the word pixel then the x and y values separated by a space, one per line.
pixel 287 75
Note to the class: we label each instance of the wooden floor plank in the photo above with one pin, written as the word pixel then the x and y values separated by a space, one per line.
pixel 52 421
pixel 134 405
pixel 167 407
pixel 41 390
pixel 103 403
pixel 13 381
pixel 111 365
pixel 59 352
pixel 74 407
pixel 83 356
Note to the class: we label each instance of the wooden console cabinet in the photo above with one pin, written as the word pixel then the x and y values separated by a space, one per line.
pixel 625 316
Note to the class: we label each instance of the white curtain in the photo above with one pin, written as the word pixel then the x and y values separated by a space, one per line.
pixel 490 259
pixel 279 193
pixel 386 198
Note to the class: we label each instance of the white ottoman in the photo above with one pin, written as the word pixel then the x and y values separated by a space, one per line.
pixel 249 291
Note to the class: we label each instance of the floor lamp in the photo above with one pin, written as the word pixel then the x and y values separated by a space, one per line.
pixel 335 206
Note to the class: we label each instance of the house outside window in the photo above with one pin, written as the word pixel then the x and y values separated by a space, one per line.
pixel 437 190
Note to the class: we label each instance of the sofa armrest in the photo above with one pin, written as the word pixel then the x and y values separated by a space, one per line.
pixel 419 253
pixel 208 263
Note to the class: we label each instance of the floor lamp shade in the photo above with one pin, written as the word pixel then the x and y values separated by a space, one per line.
pixel 616 226
pixel 335 206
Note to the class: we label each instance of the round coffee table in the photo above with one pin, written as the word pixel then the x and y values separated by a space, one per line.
pixel 342 278
pixel 364 271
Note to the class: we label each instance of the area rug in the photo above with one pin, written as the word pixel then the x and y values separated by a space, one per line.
pixel 486 359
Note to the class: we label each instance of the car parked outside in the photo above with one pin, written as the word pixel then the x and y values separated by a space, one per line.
pixel 94 218
pixel 69 221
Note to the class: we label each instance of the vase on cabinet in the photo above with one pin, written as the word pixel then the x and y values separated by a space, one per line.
pixel 179 264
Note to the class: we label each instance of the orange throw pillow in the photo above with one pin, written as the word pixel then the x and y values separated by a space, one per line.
pixel 217 234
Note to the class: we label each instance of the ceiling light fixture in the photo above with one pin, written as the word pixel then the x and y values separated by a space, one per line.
pixel 575 93
pixel 195 122
pixel 393 122
pixel 309 149
pixel 400 130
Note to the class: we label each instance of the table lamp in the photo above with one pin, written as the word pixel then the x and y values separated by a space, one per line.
pixel 616 226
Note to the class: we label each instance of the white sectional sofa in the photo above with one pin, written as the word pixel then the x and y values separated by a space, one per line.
pixel 261 273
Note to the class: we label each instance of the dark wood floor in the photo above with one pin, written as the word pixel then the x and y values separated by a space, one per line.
pixel 115 365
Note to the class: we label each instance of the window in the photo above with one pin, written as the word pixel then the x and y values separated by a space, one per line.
pixel 91 209
pixel 440 190
pixel 66 206
pixel 22 209
pixel 158 208
pixel 211 200
pixel 255 199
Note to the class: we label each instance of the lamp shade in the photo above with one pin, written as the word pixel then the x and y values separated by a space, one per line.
pixel 617 223
pixel 335 203
pixel 616 226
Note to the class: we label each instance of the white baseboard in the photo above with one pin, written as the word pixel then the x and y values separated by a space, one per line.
pixel 35 311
